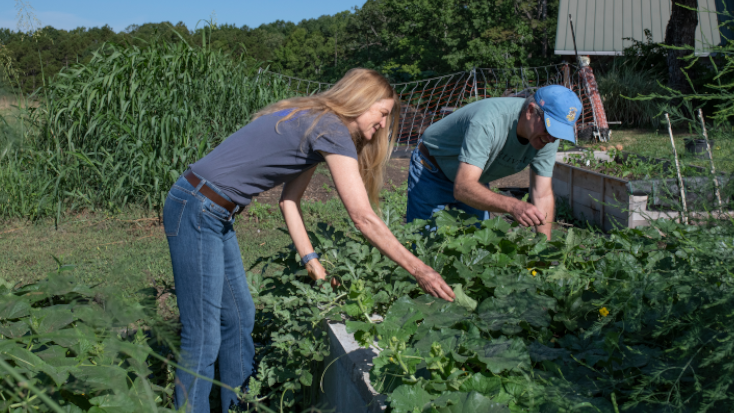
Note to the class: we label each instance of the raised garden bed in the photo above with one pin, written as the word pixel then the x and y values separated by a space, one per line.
pixel 628 194
pixel 346 382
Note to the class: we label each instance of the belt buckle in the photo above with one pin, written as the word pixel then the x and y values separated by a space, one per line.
pixel 234 212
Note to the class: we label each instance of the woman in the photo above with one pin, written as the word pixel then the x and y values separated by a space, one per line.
pixel 344 126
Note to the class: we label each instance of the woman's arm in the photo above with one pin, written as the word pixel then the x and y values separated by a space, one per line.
pixel 349 184
pixel 290 206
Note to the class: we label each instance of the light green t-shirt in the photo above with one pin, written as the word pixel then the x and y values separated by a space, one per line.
pixel 484 134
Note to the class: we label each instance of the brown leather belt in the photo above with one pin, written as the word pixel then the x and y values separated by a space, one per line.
pixel 424 151
pixel 209 193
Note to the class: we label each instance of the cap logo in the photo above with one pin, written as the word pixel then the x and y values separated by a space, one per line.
pixel 572 114
pixel 547 122
pixel 542 102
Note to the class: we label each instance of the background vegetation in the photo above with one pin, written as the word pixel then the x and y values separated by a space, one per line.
pixel 122 127
pixel 404 38
pixel 107 121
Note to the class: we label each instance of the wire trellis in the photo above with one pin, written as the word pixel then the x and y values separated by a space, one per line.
pixel 427 101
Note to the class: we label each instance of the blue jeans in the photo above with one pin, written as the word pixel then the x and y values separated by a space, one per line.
pixel 217 311
pixel 429 191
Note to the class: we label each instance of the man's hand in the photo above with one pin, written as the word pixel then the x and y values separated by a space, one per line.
pixel 527 214
pixel 432 283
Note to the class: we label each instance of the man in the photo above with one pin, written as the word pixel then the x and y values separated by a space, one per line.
pixel 487 140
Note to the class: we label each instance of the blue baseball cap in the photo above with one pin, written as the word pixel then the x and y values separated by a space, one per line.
pixel 561 108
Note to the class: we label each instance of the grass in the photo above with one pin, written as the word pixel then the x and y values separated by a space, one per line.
pixel 656 144
pixel 9 102
pixel 619 82
pixel 129 251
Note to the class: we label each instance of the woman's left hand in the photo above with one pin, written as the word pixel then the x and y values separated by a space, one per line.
pixel 317 272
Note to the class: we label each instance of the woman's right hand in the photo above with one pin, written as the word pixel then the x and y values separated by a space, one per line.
pixel 349 184
pixel 432 283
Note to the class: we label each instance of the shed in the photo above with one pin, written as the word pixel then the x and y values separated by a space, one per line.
pixel 602 25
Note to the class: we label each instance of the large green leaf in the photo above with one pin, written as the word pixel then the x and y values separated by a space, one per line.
pixel 508 280
pixel 114 403
pixel 447 337
pixel 401 321
pixel 472 402
pixel 501 354
pixel 499 313
pixel 487 385
pixel 539 352
pixel 408 398
pixel 26 361
pixel 54 352
pixel 14 330
pixel 487 236
pixel 52 318
pixel 438 312
pixel 13 306
pixel 102 377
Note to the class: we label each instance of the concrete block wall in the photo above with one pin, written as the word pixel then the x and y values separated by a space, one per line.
pixel 346 384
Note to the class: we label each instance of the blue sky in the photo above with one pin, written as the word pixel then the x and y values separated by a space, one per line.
pixel 69 14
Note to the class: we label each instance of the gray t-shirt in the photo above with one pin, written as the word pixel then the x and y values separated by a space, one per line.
pixel 257 158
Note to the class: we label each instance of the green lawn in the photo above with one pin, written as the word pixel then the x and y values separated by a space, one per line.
pixel 657 144
pixel 129 251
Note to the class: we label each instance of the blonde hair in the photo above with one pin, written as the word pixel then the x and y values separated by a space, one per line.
pixel 349 98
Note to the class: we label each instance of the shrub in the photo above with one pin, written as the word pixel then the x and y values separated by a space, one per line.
pixel 621 82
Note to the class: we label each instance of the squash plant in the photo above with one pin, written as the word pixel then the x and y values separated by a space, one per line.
pixel 636 320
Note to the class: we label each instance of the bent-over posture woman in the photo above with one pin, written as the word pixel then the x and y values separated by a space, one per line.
pixel 344 126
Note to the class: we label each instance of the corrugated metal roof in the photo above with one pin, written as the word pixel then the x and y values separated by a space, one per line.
pixel 601 25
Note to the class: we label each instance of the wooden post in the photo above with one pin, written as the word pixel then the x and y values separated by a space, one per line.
pixel 711 157
pixel 677 167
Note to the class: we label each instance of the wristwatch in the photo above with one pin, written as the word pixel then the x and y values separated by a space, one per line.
pixel 308 257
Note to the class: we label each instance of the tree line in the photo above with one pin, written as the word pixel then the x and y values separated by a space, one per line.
pixel 404 39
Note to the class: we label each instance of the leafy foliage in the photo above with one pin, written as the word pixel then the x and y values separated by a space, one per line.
pixel 633 321
pixel 626 81
pixel 401 38
pixel 121 129
pixel 69 347
pixel 637 320
pixel 630 166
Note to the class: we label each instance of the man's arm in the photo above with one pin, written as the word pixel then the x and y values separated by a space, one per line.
pixel 541 190
pixel 468 190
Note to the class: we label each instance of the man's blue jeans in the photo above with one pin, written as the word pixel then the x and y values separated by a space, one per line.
pixel 217 311
pixel 429 191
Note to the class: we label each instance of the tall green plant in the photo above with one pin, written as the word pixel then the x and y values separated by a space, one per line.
pixel 123 127
pixel 621 82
